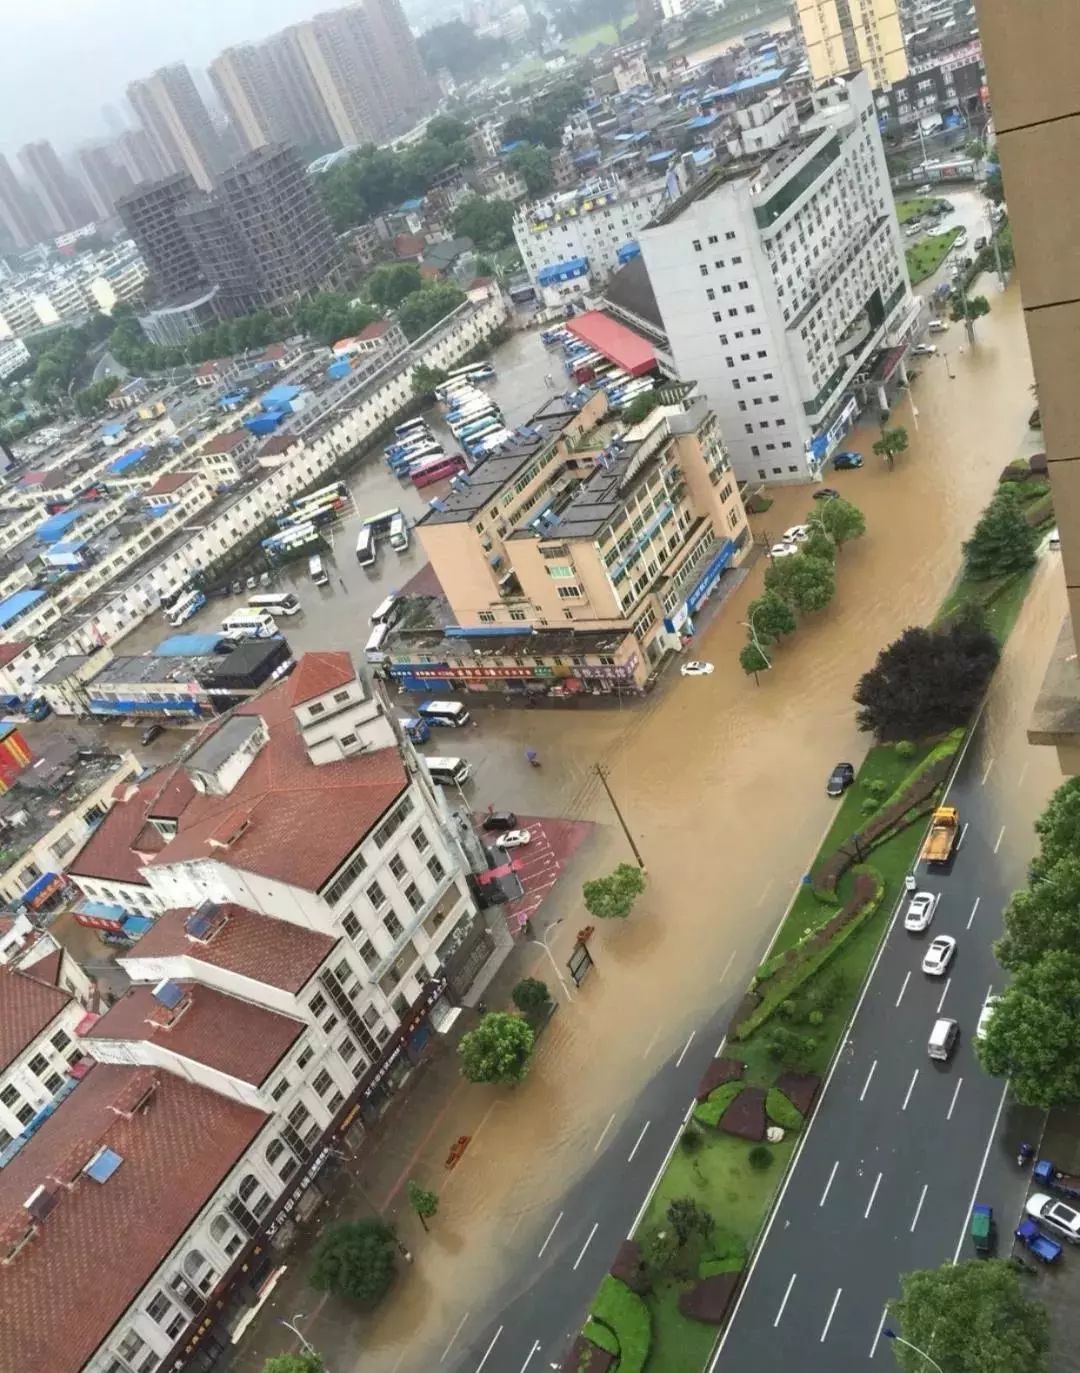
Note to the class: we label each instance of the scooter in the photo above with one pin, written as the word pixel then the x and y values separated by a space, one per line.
pixel 534 761
pixel 1024 1155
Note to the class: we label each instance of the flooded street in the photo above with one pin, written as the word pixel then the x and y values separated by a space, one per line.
pixel 722 784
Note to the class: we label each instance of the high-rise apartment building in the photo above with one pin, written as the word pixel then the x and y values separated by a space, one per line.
pixel 339 74
pixel 152 215
pixel 241 78
pixel 17 212
pixel 65 204
pixel 104 180
pixel 138 156
pixel 171 110
pixel 380 29
pixel 843 36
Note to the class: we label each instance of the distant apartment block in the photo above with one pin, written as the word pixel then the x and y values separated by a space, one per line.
pixel 177 122
pixel 843 36
pixel 65 204
pixel 103 178
pixel 17 213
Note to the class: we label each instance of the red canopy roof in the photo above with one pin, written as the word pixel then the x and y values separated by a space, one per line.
pixel 619 344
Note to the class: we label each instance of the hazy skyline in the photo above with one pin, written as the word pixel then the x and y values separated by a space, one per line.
pixel 68 59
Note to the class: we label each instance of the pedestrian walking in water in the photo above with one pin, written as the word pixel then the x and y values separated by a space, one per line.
pixel 341 580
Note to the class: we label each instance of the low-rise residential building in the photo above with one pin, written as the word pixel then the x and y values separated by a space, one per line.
pixel 14 355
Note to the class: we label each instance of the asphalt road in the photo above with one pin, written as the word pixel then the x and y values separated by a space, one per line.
pixel 901 1144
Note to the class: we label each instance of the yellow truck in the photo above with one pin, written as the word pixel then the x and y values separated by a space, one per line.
pixel 944 836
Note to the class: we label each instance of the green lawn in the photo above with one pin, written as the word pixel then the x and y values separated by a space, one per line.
pixel 909 209
pixel 925 257
pixel 603 33
pixel 752 14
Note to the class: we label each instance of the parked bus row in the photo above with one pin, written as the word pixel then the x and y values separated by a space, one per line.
pixel 389 524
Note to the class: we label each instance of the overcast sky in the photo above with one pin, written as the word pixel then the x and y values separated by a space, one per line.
pixel 65 59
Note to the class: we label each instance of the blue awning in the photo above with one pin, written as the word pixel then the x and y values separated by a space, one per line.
pixel 36 888
pixel 136 925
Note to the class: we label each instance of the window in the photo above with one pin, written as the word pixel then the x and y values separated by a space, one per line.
pixel 316 709
pixel 323 1082
pixel 730 234
pixel 252 1195
pixel 744 286
pixel 696 245
pixel 317 1004
pixel 397 867
pixel 420 839
pixel 487 617
pixel 703 269
pixel 710 294
pixel 351 926
pixel 23 1114
pixel 412 895
pixel 436 869
pixel 306 1055
pixel 279 1090
pixel 347 1050
pixel 158 1307
pixel 38 1064
pixel 369 955
pixel 225 1234
pixel 376 895
pixel 393 926
pixel 53 1083
pixel 60 1041
pixel 340 696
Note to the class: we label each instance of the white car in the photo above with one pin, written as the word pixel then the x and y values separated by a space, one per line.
pixel 924 350
pixel 920 911
pixel 798 533
pixel 939 955
pixel 985 1016
pixel 697 669
pixel 1055 1215
pixel 961 239
pixel 783 550
pixel 913 231
pixel 514 839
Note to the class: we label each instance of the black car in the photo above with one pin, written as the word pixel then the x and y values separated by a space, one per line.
pixel 500 820
pixel 826 493
pixel 152 732
pixel 840 779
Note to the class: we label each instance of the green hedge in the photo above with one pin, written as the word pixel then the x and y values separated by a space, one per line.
pixel 709 1268
pixel 624 1311
pixel 709 1111
pixel 602 1336
pixel 781 1112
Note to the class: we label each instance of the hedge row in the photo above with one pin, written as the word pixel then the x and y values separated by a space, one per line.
pixel 781 1111
pixel 709 1111
pixel 602 1336
pixel 627 1315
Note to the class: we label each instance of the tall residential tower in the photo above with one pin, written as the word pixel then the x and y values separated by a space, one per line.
pixel 171 110
pixel 844 36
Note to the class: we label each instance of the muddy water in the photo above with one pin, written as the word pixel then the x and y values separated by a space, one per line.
pixel 722 782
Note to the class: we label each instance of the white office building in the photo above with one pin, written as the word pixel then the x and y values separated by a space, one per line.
pixel 781 281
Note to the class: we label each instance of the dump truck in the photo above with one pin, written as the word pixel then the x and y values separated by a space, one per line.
pixel 944 836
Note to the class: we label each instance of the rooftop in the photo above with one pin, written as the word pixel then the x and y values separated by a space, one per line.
pixel 225 443
pixel 169 482
pixel 630 289
pixel 94 1251
pixel 27 1006
pixel 617 343
pixel 318 673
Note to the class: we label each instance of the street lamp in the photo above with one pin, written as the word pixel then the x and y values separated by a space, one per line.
pixel 948 370
pixel 551 957
pixel 892 1335
pixel 308 1347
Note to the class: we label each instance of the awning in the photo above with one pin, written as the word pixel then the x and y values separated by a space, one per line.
pixel 39 892
pixel 618 344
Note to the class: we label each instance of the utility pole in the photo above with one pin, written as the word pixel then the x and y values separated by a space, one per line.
pixel 997 250
pixel 615 807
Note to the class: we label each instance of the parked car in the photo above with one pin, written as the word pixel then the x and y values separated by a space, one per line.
pixel 845 459
pixel 912 231
pixel 939 955
pixel 924 350
pixel 782 550
pixel 1054 541
pixel 237 587
pixel 514 839
pixel 937 326
pixel 980 243
pixel 920 911
pixel 798 533
pixel 696 669
pixel 826 493
pixel 840 779
pixel 985 1015
pixel 1054 1215
pixel 500 820
pixel 151 732
pixel 252 582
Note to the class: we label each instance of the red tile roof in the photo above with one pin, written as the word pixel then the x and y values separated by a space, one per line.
pixel 274 353
pixel 430 272
pixel 225 443
pixel 261 947
pixel 318 673
pixel 10 651
pixel 408 245
pixel 278 443
pixel 108 853
pixel 211 367
pixel 236 1037
pixel 27 1005
pixel 66 1289
pixel 375 329
pixel 171 481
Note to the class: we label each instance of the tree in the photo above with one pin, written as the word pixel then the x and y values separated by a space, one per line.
pixel 771 617
pixel 489 223
pixel 1058 828
pixel 688 1218
pixel 1043 916
pixel 818 544
pixel 389 284
pixel 423 310
pixel 614 896
pixel 294 1363
pixel 926 681
pixel 498 1050
pixel 841 519
pixel 972 1317
pixel 534 164
pixel 993 188
pixel 531 996
pixel 1033 1037
pixel 91 399
pixel 892 443
pixel 752 659
pixel 425 379
pixel 1002 540
pixel 806 583
pixel 354 1259
pixel 640 407
pixel 459 49
pixel 974 307
pixel 975 148
pixel 424 1203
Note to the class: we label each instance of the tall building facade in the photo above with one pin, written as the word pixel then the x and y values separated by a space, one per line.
pixel 171 110
pixel 303 114
pixel 152 215
pixel 65 204
pixel 17 213
pixel 104 180
pixel 137 155
pixel 241 78
pixel 843 36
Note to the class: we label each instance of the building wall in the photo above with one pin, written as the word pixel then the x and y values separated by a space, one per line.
pixel 843 35
pixel 596 234
pixel 34 1077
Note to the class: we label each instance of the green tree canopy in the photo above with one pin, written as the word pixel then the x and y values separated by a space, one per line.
pixel 842 520
pixel 489 223
pixel 752 659
pixel 91 399
pixel 806 583
pixel 425 379
pixel 1043 916
pixel 423 1202
pixel 389 284
pixel 771 617
pixel 892 443
pixel 640 408
pixel 973 1318
pixel 294 1363
pixel 1058 827
pixel 423 310
pixel 544 122
pixel 498 1050
pixel 460 50
pixel 534 164
pixel 614 895
pixel 1033 1037
pixel 354 1259
pixel 976 307
pixel 531 995
pixel 993 188
pixel 1002 540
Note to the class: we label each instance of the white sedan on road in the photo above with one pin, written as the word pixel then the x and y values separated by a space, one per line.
pixel 939 955
pixel 1055 1215
pixel 798 533
pixel 514 839
pixel 920 911
pixel 697 669
pixel 783 550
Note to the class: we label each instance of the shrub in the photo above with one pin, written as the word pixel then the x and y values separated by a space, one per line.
pixel 876 787
pixel 708 1268
pixel 781 1112
pixel 816 1018
pixel 691 1140
pixel 530 995
pixel 716 1103
pixel 788 1009
pixel 724 1247
pixel 791 1050
pixel 760 1157
pixel 602 1336
pixel 625 1312
pixel 869 805
pixel 905 749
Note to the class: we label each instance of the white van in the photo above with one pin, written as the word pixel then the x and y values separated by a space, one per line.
pixel 943 1039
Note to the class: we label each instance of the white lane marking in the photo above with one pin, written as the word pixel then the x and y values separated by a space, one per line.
pixel 944 994
pixel 608 1126
pixel 873 1194
pixel 956 1093
pixel 596 1226
pixel 640 1137
pixel 454 1336
pixel 982 1169
pixel 911 1088
pixel 866 1084
pixel 829 1183
pixel 974 908
pixel 787 1293
pixel 986 774
pixel 880 1328
pixel 685 1049
pixel 960 841
pixel 490 1347
pixel 651 1043
pixel 532 1351
pixel 832 1312
pixel 1023 772
pixel 764 892
pixel 1001 836
pixel 914 1222
pixel 550 1233
pixel 664 1163
pixel 903 989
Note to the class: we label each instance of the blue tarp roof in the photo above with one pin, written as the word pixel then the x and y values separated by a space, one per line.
pixel 111 430
pixel 703 155
pixel 38 885
pixel 277 396
pixel 72 546
pixel 628 251
pixel 135 925
pixel 702 121
pixel 661 157
pixel 750 83
pixel 187 645
pixel 509 147
pixel 126 460
pixel 18 603
pixel 100 910
pixel 415 204
pixel 561 271
pixel 642 136
pixel 589 156
pixel 55 527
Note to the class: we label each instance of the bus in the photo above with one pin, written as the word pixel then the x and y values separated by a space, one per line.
pixel 467 405
pixel 336 491
pixel 479 371
pixel 478 428
pixel 450 389
pixel 488 442
pixel 410 427
pixel 365 546
pixel 434 470
pixel 275 604
pixel 445 772
pixel 316 571
pixel 289 540
pixel 386 612
pixel 188 604
pixel 249 624
pixel 402 466
pixel 419 731
pixel 471 415
pixel 399 532
pixel 450 713
pixel 417 440
pixel 380 524
pixel 373 649
pixel 315 514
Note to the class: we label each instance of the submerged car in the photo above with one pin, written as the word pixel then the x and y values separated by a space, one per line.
pixel 826 493
pixel 845 459
pixel 696 669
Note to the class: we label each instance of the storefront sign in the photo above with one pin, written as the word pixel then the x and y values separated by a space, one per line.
pixel 303 1183
pixel 396 1047
pixel 606 671
pixel 709 577
pixel 477 674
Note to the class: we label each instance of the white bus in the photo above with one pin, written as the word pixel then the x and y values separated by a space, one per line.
pixel 182 610
pixel 385 613
pixel 445 772
pixel 373 649
pixel 249 624
pixel 316 571
pixel 451 713
pixel 399 533
pixel 337 491
pixel 291 538
pixel 472 369
pixel 284 604
pixel 365 546
pixel 404 430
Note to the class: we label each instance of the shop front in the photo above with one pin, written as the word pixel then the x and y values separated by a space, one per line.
pixel 681 620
